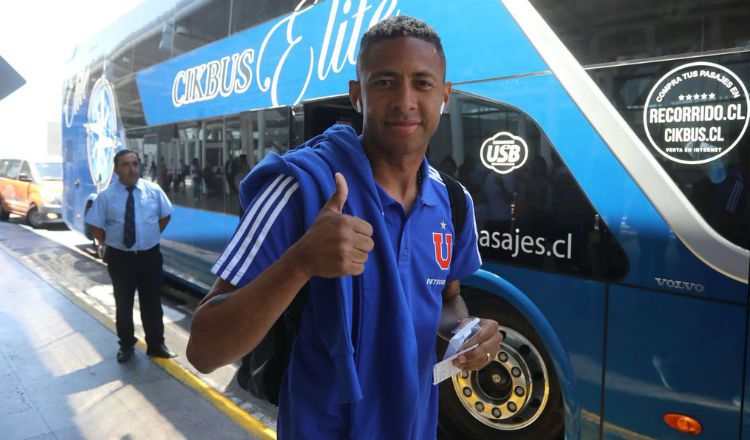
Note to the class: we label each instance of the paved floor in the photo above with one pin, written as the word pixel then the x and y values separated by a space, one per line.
pixel 59 378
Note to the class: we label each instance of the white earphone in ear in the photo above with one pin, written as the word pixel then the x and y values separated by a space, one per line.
pixel 442 107
pixel 359 106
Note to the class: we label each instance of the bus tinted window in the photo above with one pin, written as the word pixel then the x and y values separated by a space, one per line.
pixel 249 14
pixel 201 26
pixel 150 51
pixel 619 30
pixel 702 138
pixel 129 103
pixel 200 164
pixel 513 204
pixel 120 64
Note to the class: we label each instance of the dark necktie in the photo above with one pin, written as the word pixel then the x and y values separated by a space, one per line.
pixel 128 237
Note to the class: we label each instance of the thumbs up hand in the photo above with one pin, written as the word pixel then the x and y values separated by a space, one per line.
pixel 338 198
pixel 336 244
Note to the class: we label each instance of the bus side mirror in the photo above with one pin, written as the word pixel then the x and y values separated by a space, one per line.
pixel 23 177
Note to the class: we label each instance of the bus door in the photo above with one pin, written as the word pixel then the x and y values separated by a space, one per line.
pixel 320 115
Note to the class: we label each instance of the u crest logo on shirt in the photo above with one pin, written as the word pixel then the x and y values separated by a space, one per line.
pixel 443 259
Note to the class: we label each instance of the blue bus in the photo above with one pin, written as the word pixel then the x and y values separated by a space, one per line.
pixel 605 145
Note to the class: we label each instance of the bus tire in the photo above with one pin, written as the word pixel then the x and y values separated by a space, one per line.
pixel 471 402
pixel 34 217
pixel 4 215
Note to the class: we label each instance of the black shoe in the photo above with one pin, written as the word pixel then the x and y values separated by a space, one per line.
pixel 124 354
pixel 161 352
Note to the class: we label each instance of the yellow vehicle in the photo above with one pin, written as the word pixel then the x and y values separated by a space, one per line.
pixel 31 188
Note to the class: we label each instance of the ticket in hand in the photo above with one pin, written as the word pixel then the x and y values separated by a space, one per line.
pixel 462 333
pixel 445 368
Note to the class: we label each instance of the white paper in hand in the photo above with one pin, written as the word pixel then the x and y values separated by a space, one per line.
pixel 445 368
pixel 462 333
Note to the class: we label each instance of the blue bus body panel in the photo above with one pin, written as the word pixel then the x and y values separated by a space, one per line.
pixel 215 228
pixel 76 169
pixel 193 241
pixel 582 339
pixel 652 249
pixel 673 354
pixel 291 61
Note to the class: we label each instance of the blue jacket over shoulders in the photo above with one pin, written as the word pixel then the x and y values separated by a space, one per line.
pixel 361 364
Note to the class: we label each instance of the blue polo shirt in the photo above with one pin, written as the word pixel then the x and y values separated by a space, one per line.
pixel 108 213
pixel 428 258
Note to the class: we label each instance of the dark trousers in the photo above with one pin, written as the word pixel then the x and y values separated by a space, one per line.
pixel 143 271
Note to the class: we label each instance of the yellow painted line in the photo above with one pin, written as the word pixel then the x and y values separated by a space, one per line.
pixel 223 404
pixel 242 418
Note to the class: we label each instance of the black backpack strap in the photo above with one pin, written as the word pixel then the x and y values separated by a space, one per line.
pixel 458 203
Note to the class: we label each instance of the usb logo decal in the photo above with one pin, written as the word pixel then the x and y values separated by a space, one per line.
pixel 503 152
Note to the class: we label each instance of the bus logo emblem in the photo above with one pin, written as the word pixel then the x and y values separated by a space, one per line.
pixel 102 133
pixel 503 152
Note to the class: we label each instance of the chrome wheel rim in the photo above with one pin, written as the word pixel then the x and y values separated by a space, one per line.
pixel 512 391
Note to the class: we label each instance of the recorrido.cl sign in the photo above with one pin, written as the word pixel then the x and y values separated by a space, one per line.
pixel 696 113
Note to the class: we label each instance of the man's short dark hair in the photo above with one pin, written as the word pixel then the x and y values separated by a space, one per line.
pixel 396 27
pixel 124 152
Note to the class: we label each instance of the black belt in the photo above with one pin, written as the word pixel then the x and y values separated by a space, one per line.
pixel 136 252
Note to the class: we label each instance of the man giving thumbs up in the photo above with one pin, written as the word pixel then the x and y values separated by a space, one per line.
pixel 366 222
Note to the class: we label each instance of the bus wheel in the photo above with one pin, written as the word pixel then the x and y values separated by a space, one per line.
pixel 517 396
pixel 34 217
pixel 4 215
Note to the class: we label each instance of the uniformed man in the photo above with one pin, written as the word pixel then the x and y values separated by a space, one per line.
pixel 378 255
pixel 129 216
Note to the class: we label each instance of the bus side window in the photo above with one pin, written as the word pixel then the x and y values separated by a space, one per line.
pixel 717 187
pixel 646 30
pixel 204 25
pixel 518 183
pixel 249 14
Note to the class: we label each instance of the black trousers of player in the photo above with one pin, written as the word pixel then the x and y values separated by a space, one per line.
pixel 140 270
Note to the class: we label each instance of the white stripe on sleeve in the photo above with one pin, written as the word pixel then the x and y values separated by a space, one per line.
pixel 256 223
pixel 231 248
pixel 262 236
